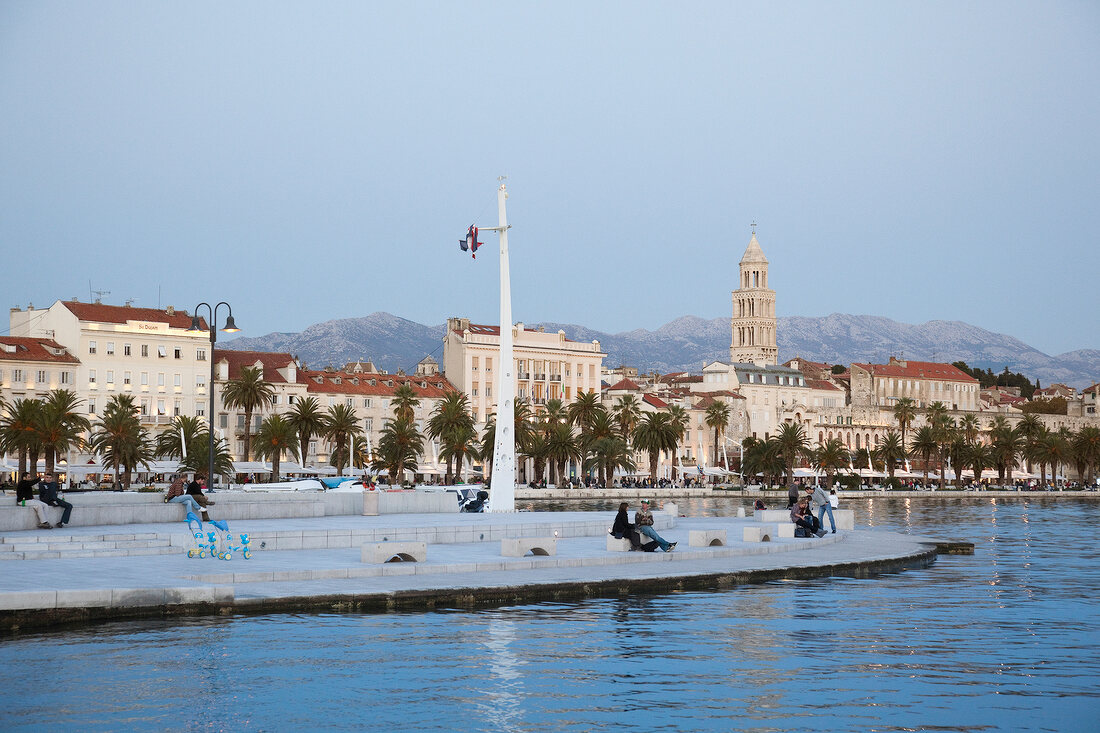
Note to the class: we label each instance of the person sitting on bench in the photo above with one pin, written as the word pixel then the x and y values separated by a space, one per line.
pixel 643 520
pixel 806 524
pixel 623 529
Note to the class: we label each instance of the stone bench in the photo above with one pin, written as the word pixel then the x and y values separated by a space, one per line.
pixel 520 546
pixel 707 538
pixel 617 545
pixel 383 552
pixel 760 533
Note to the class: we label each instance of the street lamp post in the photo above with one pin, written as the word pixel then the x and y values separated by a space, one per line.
pixel 230 327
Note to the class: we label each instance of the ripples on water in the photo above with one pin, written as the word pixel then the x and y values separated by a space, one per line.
pixel 1003 640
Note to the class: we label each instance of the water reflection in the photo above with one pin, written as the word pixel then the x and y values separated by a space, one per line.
pixel 1003 639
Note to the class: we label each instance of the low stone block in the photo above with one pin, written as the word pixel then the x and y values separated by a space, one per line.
pixel 785 529
pixel 520 546
pixel 379 552
pixel 707 538
pixel 617 545
pixel 760 533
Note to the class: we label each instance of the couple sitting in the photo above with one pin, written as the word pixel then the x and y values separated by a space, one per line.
pixel 643 523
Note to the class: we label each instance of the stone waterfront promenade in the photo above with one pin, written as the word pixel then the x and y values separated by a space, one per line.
pixel 321 563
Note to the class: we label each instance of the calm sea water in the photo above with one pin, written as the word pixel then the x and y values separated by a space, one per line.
pixel 1004 640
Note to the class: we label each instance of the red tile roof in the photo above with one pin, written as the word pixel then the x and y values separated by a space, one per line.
pixel 272 363
pixel 655 401
pixel 919 370
pixel 101 313
pixel 375 385
pixel 625 384
pixel 21 348
pixel 821 384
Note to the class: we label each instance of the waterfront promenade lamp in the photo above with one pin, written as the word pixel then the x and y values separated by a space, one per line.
pixel 230 327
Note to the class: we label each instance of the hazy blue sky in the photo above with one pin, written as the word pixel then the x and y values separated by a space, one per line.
pixel 310 161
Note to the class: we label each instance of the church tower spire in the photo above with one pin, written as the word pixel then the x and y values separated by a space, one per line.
pixel 753 322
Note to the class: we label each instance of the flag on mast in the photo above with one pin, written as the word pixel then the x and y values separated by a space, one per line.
pixel 470 243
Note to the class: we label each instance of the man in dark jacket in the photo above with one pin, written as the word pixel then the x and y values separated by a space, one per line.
pixel 49 493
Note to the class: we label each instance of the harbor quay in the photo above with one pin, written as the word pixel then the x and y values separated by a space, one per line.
pixel 412 561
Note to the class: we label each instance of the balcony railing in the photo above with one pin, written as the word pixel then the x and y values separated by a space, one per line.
pixel 555 377
pixel 524 375
pixel 540 377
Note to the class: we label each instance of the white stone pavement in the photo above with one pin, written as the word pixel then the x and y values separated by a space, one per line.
pixel 470 557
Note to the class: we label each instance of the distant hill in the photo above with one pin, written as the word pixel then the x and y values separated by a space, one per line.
pixel 686 343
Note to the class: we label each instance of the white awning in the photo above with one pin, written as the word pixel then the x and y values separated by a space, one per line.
pixel 251 467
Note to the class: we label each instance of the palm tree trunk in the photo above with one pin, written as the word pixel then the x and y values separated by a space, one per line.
pixel 275 459
pixel 247 433
pixel 22 462
pixel 50 458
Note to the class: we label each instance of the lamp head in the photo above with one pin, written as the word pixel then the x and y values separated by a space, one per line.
pixel 195 325
pixel 230 326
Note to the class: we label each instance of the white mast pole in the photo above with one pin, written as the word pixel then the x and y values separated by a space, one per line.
pixel 502 489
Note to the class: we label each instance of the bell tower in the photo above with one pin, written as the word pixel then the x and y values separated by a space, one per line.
pixel 753 321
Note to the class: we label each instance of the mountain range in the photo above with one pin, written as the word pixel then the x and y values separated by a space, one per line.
pixel 685 344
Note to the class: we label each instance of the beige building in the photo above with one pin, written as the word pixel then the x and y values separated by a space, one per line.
pixel 924 382
pixel 147 353
pixel 548 365
pixel 31 367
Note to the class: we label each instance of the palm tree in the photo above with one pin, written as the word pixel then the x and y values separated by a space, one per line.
pixel 182 432
pixel 1031 428
pixel 656 432
pixel 404 402
pixel 792 446
pixel 121 439
pixel 275 437
pixel 535 449
pixel 561 447
pixel 979 456
pixel 398 449
pixel 60 425
pixel 248 392
pixel 308 421
pixel 970 427
pixel 890 451
pixel 450 416
pixel 717 417
pixel 556 412
pixel 627 412
pixel 340 427
pixel 905 411
pixel 830 457
pixel 198 456
pixel 957 448
pixel 1056 450
pixel 460 442
pixel 1086 446
pixel 608 453
pixel 943 428
pixel 924 445
pixel 1007 444
pixel 19 431
pixel 583 409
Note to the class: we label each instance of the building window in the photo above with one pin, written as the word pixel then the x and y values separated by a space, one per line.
pixel 126 349
pixel 290 399
pixel 43 376
pixel 176 409
pixel 366 402
pixel 145 407
pixel 177 353
pixel 110 348
pixel 240 422
pixel 110 376
pixel 274 399
pixel 91 407
pixel 200 410
pixel 368 424
pixel 126 378
pixel 160 407
pixel 349 402
pixel 145 349
pixel 91 376
pixel 200 380
pixel 91 347
pixel 488 390
pixel 312 448
pixel 200 354
pixel 66 377
pixel 162 352
pixel 160 379
pixel 223 420
pixel 17 375
pixel 177 380
pixel 145 379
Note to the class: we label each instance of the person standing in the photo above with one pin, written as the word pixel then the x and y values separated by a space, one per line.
pixel 24 496
pixel 821 501
pixel 49 492
pixel 643 521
